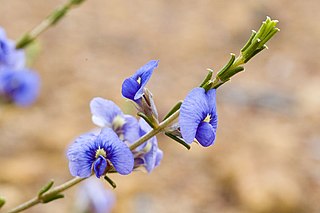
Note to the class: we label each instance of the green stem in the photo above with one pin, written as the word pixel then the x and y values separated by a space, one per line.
pixel 39 199
pixel 156 130
pixel 51 20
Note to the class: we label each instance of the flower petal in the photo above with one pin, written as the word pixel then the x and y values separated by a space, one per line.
pixel 99 166
pixel 158 157
pixel 130 86
pixel 19 86
pixel 103 111
pixel 193 110
pixel 206 134
pixel 144 73
pixel 117 152
pixel 81 155
pixel 130 129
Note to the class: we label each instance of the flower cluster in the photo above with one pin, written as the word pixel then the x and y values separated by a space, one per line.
pixel 17 83
pixel 109 150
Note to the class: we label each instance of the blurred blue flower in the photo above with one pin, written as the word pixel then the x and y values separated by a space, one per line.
pixel 98 153
pixel 19 86
pixel 133 87
pixel 93 197
pixel 10 57
pixel 198 116
pixel 106 113
pixel 148 154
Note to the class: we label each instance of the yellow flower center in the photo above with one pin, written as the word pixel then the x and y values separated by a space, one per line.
pixel 101 152
pixel 139 80
pixel 207 118
pixel 118 122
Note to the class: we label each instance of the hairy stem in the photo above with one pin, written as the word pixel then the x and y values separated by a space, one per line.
pixel 51 20
pixel 156 130
pixel 39 199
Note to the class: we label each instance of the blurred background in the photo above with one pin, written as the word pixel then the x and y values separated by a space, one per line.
pixel 267 152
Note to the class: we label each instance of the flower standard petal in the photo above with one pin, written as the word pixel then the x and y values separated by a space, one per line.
pixel 205 134
pixel 193 110
pixel 103 111
pixel 118 152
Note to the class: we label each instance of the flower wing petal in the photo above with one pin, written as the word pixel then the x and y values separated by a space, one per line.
pixel 130 86
pixel 193 110
pixel 206 134
pixel 103 111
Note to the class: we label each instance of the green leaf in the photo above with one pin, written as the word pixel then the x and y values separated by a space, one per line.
pixel 177 139
pixel 45 188
pixel 173 110
pixel 50 198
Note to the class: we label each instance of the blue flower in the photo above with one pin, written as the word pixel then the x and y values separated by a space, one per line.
pixel 106 113
pixel 133 87
pixel 198 117
pixel 19 86
pixel 98 153
pixel 93 197
pixel 10 57
pixel 148 154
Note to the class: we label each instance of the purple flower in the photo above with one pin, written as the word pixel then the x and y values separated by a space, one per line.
pixel 133 87
pixel 98 153
pixel 105 113
pixel 148 154
pixel 198 116
pixel 19 86
pixel 10 57
pixel 94 197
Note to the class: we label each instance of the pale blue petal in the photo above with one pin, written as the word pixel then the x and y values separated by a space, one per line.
pixel 103 111
pixel 130 129
pixel 193 110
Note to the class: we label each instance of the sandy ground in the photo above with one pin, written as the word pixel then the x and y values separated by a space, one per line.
pixel 267 153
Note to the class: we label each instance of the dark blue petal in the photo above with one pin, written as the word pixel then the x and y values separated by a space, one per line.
pixel 81 155
pixel 144 73
pixel 130 129
pixel 117 151
pixel 99 166
pixel 193 110
pixel 130 86
pixel 19 86
pixel 206 134
pixel 133 90
pixel 103 111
